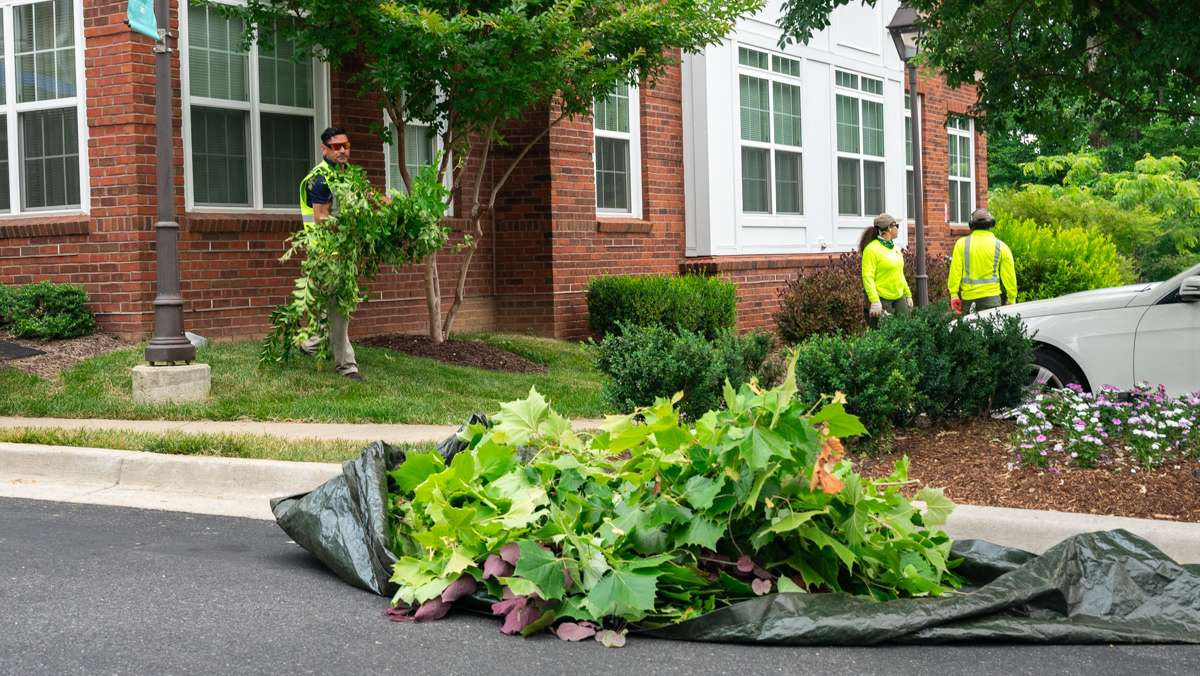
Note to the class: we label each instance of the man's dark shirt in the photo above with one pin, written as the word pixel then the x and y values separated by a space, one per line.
pixel 318 192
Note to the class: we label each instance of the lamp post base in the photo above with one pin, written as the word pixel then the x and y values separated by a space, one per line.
pixel 170 384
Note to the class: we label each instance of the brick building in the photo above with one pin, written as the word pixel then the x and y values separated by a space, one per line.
pixel 744 161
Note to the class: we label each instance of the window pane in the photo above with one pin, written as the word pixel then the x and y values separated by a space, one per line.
pixel 220 163
pixel 964 157
pixel 787 114
pixel 612 112
pixel 872 85
pixel 911 194
pixel 908 156
pixel 954 210
pixel 418 147
pixel 217 64
pixel 789 196
pixel 872 187
pixel 756 180
pixel 287 155
pixel 848 187
pixel 847 124
pixel 782 64
pixel 49 158
pixel 872 121
pixel 612 173
pixel 283 81
pixel 5 199
pixel 756 113
pixel 44 49
pixel 844 79
pixel 3 66
pixel 752 57
pixel 965 200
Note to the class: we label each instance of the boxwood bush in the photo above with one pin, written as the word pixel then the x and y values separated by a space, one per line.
pixel 49 310
pixel 645 362
pixel 932 363
pixel 704 305
pixel 6 305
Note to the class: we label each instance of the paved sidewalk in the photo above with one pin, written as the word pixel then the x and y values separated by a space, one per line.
pixel 365 432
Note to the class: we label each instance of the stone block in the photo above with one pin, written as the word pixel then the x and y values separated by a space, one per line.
pixel 170 384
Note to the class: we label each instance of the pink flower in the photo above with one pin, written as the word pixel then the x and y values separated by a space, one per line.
pixel 1041 438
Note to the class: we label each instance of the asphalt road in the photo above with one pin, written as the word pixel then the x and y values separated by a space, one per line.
pixel 86 589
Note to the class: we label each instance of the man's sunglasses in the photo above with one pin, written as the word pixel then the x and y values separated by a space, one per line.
pixel 338 146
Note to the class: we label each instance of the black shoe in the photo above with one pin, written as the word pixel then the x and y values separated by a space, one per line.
pixel 353 375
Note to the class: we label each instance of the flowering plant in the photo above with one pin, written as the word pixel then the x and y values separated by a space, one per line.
pixel 1088 429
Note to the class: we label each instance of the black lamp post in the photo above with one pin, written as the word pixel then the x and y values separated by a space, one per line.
pixel 905 28
pixel 169 345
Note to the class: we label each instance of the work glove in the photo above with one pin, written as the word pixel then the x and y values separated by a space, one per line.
pixel 908 301
pixel 956 304
pixel 876 309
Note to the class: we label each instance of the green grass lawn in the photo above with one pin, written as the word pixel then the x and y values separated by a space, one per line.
pixel 398 388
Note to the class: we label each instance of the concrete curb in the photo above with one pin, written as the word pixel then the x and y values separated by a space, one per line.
pixel 237 487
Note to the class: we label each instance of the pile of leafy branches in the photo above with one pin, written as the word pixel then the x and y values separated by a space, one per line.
pixel 651 521
pixel 367 232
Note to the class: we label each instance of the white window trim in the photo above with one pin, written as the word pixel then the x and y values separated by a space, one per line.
pixel 761 218
pixel 11 109
pixel 634 137
pixel 847 220
pixel 908 165
pixel 969 135
pixel 320 113
pixel 391 178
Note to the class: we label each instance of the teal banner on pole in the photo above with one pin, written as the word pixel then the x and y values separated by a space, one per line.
pixel 141 17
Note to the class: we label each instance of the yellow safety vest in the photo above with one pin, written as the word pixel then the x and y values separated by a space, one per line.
pixel 983 272
pixel 322 169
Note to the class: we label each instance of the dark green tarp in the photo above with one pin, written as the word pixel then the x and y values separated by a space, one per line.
pixel 1104 587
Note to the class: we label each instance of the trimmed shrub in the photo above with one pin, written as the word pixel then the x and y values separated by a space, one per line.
pixel 6 304
pixel 645 362
pixel 830 299
pixel 1053 261
pixel 49 310
pixel 932 362
pixel 704 305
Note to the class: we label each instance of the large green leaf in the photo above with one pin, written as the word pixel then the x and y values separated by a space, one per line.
pixel 839 422
pixel 700 491
pixel 937 505
pixel 624 593
pixel 702 532
pixel 517 421
pixel 415 469
pixel 542 567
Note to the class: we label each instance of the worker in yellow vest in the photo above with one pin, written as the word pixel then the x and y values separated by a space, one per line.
pixel 317 203
pixel 982 272
pixel 883 270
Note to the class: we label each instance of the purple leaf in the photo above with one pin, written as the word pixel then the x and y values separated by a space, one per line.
pixel 508 605
pixel 519 618
pixel 611 639
pixel 511 553
pixel 571 631
pixel 494 566
pixel 400 613
pixel 745 564
pixel 761 586
pixel 433 609
pixel 463 586
pixel 762 574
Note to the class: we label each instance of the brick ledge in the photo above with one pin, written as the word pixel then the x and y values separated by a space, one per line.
pixel 711 265
pixel 624 226
pixel 236 222
pixel 46 226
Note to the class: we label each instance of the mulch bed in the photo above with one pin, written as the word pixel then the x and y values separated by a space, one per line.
pixel 973 461
pixel 458 352
pixel 57 356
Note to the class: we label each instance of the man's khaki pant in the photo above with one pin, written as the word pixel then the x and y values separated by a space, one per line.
pixel 985 303
pixel 339 337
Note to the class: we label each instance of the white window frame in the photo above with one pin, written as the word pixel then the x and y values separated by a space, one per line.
pixel 909 169
pixel 860 95
pixel 969 135
pixel 319 113
pixel 634 138
pixel 11 109
pixel 393 178
pixel 772 217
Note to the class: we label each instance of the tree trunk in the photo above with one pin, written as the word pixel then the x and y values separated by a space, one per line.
pixel 433 299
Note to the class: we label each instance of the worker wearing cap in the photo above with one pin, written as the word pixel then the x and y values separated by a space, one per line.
pixel 883 270
pixel 982 272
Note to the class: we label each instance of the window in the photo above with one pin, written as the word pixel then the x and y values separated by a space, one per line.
pixel 772 164
pixel 960 129
pixel 618 153
pixel 43 163
pixel 859 109
pixel 909 180
pixel 421 145
pixel 250 118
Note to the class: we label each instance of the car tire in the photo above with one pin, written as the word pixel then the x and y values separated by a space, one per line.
pixel 1053 371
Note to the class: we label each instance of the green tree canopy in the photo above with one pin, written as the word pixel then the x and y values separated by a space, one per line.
pixel 469 68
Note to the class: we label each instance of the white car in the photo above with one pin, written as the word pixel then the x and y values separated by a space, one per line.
pixel 1120 336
